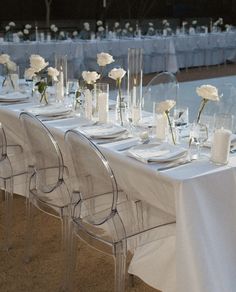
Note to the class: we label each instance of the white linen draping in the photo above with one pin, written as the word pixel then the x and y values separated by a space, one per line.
pixel 202 197
pixel 160 53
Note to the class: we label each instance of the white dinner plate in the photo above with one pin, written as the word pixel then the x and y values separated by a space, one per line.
pixel 157 153
pixel 51 110
pixel 103 131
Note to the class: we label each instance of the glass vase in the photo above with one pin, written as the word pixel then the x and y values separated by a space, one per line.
pixel 135 80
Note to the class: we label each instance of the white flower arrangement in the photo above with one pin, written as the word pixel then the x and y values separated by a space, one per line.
pixel 9 66
pixel 38 69
pixel 90 77
pixel 207 93
pixel 25 31
pixel 164 107
pixel 104 59
pixel 127 25
pixel 99 23
pixel 86 26
pixel 116 24
pixel 101 28
pixel 28 26
pixel 117 74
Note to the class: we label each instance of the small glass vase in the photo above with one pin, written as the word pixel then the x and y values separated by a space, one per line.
pixel 121 110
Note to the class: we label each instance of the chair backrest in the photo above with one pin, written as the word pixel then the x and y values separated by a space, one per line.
pixel 96 181
pixel 3 143
pixel 163 86
pixel 45 154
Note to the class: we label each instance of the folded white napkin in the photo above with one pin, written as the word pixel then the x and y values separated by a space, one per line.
pixel 13 96
pixel 104 131
pixel 51 110
pixel 157 153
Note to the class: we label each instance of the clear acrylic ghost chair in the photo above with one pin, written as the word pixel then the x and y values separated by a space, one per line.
pixel 163 86
pixel 48 191
pixel 102 220
pixel 8 172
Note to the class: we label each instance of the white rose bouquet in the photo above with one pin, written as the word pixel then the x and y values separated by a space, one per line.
pixel 208 93
pixel 44 75
pixel 164 107
pixel 9 67
pixel 117 74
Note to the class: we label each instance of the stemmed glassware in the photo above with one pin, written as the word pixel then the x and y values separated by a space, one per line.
pixel 198 136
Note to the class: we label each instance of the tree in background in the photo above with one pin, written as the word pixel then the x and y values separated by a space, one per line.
pixel 48 11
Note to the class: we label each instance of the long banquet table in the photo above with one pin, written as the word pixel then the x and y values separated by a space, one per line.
pixel 202 196
pixel 160 53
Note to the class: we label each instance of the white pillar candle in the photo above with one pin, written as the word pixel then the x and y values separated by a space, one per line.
pixel 161 126
pixel 136 114
pixel 220 146
pixel 88 104
pixel 103 107
pixel 60 87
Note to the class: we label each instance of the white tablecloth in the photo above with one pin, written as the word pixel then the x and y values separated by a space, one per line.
pixel 201 195
pixel 160 53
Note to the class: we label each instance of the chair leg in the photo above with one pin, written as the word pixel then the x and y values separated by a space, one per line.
pixel 29 231
pixel 70 262
pixel 120 266
pixel 8 206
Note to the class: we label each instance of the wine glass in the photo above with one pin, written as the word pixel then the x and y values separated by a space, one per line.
pixel 198 135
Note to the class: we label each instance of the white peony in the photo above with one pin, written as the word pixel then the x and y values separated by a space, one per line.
pixel 62 33
pixel 4 58
pixel 165 106
pixel 99 22
pixel 7 27
pixel 194 22
pixel 20 33
pixel 208 92
pixel 104 59
pixel 164 21
pixel 53 72
pixel 52 26
pixel 12 23
pixel 116 24
pixel 127 25
pixel 150 24
pixel 28 26
pixel 86 26
pixel 90 77
pixel 75 33
pixel 29 73
pixel 131 28
pixel 37 63
pixel 26 31
pixel 100 28
pixel 11 66
pixel 117 73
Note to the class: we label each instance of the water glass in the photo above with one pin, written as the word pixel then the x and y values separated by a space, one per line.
pixel 198 136
pixel 225 121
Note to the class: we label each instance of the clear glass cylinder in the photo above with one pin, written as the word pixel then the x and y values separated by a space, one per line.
pixel 135 82
pixel 101 102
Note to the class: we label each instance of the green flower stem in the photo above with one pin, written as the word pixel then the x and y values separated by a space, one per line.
pixel 43 95
pixel 202 105
pixel 171 129
pixel 8 74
